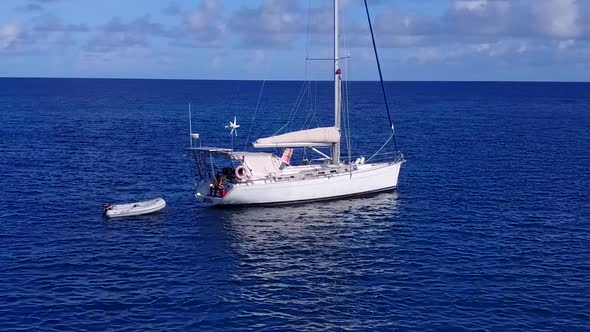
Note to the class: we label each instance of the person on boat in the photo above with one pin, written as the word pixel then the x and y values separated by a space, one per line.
pixel 216 185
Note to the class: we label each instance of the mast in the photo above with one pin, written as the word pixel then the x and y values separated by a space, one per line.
pixel 337 97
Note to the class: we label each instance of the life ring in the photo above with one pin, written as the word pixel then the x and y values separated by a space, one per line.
pixel 241 173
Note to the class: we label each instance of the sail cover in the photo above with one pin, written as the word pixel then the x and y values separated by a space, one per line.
pixel 325 136
pixel 260 164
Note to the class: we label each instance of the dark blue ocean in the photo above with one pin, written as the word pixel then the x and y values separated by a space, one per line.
pixel 489 229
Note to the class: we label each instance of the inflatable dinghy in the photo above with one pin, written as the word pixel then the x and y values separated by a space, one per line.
pixel 133 209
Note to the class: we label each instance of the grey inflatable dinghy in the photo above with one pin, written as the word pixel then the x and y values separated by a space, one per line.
pixel 133 209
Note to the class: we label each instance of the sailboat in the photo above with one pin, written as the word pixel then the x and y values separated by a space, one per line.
pixel 261 178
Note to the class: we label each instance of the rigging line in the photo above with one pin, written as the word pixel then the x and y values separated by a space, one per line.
pixel 346 94
pixel 254 115
pixel 381 148
pixel 307 40
pixel 297 105
pixel 349 134
pixel 344 110
pixel 292 110
pixel 312 113
pixel 308 117
pixel 236 95
pixel 307 51
pixel 212 167
pixel 230 105
pixel 298 101
pixel 380 75
pixel 305 91
pixel 308 107
pixel 343 92
pixel 311 89
pixel 315 104
pixel 308 44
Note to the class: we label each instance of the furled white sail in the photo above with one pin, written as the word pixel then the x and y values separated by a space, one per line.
pixel 325 136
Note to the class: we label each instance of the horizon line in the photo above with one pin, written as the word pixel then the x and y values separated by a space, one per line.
pixel 286 80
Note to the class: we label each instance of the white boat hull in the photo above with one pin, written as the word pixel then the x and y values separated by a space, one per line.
pixel 367 179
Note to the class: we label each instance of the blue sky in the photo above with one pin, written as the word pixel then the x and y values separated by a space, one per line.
pixel 540 40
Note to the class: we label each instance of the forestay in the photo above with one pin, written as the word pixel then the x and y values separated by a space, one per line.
pixel 323 136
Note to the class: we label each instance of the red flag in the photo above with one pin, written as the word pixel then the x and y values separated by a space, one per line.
pixel 286 158
pixel 339 71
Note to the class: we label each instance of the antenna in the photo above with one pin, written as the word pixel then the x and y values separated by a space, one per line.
pixel 192 136
pixel 190 125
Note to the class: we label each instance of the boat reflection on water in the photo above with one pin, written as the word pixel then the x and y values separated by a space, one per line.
pixel 311 219
pixel 312 258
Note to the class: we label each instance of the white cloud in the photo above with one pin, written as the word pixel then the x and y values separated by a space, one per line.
pixel 203 17
pixel 200 27
pixel 470 5
pixel 565 44
pixel 256 58
pixel 51 23
pixel 522 48
pixel 426 54
pixel 493 30
pixel 216 62
pixel 9 35
pixel 557 18
pixel 278 23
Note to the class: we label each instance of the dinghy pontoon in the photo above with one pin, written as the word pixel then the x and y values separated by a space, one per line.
pixel 133 209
